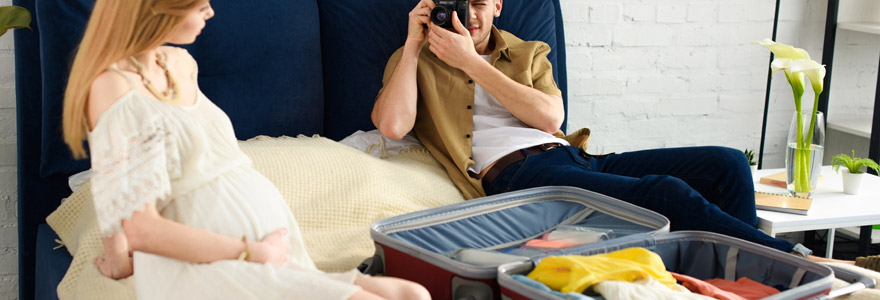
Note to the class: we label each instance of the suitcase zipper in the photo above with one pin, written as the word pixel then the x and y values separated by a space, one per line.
pixel 455 216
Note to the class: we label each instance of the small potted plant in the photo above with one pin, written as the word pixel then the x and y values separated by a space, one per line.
pixel 750 155
pixel 852 174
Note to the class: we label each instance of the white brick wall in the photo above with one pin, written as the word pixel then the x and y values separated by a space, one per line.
pixel 8 171
pixel 673 73
pixel 642 75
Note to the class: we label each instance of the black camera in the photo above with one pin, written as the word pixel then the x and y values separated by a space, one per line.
pixel 442 13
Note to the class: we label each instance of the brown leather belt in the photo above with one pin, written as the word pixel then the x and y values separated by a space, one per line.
pixel 515 156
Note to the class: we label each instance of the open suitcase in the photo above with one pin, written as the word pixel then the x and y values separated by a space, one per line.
pixel 705 255
pixel 455 250
pixel 465 250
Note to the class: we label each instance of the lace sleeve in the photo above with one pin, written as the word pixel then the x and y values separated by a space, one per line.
pixel 131 167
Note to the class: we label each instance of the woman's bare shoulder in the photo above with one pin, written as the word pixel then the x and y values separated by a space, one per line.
pixel 106 89
pixel 180 59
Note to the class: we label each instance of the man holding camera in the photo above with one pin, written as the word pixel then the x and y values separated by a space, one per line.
pixel 485 104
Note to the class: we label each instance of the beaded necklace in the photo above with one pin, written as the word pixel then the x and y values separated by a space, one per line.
pixel 172 94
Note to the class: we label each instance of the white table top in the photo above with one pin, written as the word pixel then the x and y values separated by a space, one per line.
pixel 831 207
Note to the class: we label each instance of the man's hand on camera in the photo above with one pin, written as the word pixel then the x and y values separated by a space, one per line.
pixel 454 48
pixel 419 20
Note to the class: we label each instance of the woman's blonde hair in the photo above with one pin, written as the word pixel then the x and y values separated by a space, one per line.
pixel 117 29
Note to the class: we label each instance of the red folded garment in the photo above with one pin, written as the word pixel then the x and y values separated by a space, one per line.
pixel 547 244
pixel 704 288
pixel 744 287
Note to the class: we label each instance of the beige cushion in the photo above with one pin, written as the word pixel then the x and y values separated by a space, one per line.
pixel 334 191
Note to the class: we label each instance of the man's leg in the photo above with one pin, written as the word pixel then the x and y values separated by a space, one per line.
pixel 664 194
pixel 721 175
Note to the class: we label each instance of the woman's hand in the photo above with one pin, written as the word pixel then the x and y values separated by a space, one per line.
pixel 273 248
pixel 116 263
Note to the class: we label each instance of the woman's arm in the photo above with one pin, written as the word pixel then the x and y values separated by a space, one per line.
pixel 116 262
pixel 149 232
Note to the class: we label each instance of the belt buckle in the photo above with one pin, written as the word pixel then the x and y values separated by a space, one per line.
pixel 548 146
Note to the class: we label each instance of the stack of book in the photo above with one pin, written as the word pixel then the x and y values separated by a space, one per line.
pixel 778 180
pixel 781 202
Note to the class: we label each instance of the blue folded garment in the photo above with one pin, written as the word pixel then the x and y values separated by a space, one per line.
pixel 542 287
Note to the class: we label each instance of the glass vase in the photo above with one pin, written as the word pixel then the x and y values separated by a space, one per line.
pixel 803 155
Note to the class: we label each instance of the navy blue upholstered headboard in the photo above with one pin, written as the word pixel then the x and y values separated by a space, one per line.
pixel 276 67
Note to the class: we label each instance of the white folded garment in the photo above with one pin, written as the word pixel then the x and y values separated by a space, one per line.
pixel 77 180
pixel 374 143
pixel 648 289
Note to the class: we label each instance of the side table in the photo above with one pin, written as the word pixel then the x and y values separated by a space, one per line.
pixel 831 208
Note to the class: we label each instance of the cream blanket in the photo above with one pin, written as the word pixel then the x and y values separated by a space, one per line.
pixel 334 191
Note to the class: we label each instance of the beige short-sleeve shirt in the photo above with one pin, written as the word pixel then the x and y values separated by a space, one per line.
pixel 445 114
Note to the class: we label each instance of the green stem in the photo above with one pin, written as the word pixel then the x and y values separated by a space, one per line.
pixel 813 120
pixel 800 129
pixel 801 159
pixel 800 184
pixel 805 157
pixel 800 162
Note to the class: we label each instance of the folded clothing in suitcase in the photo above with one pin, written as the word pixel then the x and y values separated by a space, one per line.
pixel 455 250
pixel 702 255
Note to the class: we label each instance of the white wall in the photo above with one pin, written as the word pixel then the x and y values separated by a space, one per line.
pixel 642 74
pixel 650 74
pixel 8 179
pixel 671 73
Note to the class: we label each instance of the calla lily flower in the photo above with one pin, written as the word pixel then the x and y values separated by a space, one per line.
pixel 783 64
pixel 795 79
pixel 785 56
pixel 814 71
pixel 798 85
pixel 796 63
pixel 783 50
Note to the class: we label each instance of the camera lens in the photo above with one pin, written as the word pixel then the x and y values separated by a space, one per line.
pixel 440 15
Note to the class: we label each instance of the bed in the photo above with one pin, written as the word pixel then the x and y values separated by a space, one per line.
pixel 276 67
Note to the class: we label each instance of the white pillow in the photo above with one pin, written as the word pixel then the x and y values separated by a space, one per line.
pixel 374 143
pixel 76 181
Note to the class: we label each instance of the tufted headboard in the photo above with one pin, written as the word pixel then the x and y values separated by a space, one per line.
pixel 276 67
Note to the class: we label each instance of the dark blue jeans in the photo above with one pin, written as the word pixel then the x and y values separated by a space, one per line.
pixel 696 188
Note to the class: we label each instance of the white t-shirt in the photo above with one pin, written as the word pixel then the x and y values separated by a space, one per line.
pixel 498 133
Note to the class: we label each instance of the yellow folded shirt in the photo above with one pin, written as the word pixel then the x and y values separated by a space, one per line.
pixel 576 273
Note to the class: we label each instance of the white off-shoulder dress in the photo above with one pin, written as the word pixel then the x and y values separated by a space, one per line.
pixel 186 160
